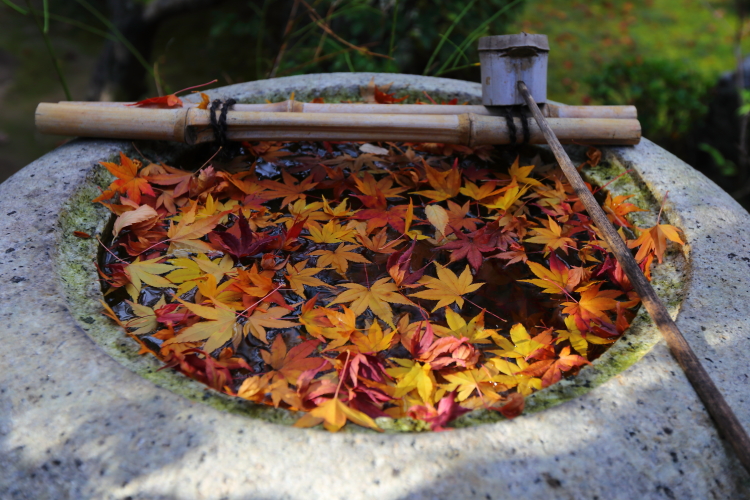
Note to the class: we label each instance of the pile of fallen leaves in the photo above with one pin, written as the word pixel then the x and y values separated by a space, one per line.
pixel 352 282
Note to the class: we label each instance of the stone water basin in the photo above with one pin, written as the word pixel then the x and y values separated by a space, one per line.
pixel 82 416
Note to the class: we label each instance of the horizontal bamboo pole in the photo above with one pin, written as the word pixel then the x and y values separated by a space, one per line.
pixel 192 125
pixel 292 106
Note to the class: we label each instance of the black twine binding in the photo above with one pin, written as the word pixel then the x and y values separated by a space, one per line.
pixel 220 126
pixel 508 112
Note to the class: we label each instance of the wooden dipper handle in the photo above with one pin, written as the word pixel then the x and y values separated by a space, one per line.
pixel 724 418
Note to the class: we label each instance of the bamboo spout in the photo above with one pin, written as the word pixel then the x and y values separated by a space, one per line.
pixel 192 125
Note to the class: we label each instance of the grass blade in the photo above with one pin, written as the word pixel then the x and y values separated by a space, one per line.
pixel 447 34
pixel 15 7
pixel 51 51
pixel 119 36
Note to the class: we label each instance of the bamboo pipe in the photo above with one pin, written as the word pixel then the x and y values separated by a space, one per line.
pixel 725 419
pixel 292 106
pixel 192 126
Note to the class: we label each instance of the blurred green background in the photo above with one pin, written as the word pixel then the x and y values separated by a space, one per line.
pixel 675 60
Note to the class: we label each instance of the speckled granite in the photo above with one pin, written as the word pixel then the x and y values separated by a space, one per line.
pixel 74 423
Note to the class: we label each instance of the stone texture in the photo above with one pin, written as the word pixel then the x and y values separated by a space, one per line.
pixel 74 423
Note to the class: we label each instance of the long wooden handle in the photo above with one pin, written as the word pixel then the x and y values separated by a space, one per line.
pixel 725 419
pixel 192 125
pixel 292 106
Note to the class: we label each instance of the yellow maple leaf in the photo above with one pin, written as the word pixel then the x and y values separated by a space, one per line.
pixel 333 413
pixel 377 297
pixel 374 341
pixel 526 384
pixel 184 235
pixel 298 275
pixel 218 330
pixel 413 375
pixel 478 193
pixel 266 317
pixel 331 233
pixel 145 317
pixel 146 271
pixel 477 379
pixel 521 174
pixel 474 330
pixel 576 338
pixel 447 288
pixel 339 258
pixel 551 237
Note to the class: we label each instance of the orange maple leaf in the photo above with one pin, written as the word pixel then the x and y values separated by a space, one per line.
pixel 291 189
pixel 445 184
pixel 333 414
pixel 654 241
pixel 290 364
pixel 128 179
pixel 593 304
pixel 617 209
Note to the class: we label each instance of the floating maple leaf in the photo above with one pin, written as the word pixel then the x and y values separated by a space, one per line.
pixel 339 258
pixel 185 235
pixel 291 189
pixel 299 275
pixel 290 364
pixel 266 317
pixel 240 241
pixel 553 280
pixel 552 237
pixel 220 327
pixel 333 414
pixel 377 298
pixel 129 180
pixel 444 184
pixel 447 288
pixel 593 304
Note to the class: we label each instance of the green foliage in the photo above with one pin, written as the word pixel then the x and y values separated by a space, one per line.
pixel 415 36
pixel 670 96
pixel 725 166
